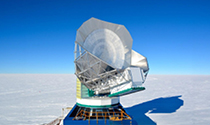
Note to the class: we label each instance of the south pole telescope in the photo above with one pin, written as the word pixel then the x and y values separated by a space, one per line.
pixel 106 68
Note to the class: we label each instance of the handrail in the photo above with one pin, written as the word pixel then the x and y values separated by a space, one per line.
pixel 112 115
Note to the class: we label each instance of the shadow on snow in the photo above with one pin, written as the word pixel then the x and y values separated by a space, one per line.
pixel 159 105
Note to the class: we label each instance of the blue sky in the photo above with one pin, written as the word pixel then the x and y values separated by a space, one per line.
pixel 37 36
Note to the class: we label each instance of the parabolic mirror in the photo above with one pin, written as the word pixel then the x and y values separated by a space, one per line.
pixel 109 42
pixel 107 46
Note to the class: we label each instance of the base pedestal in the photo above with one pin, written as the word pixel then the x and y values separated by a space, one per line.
pixel 113 115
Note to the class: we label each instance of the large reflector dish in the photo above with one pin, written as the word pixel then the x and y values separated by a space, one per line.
pixel 107 46
pixel 109 42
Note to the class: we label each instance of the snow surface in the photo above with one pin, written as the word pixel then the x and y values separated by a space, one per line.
pixel 31 99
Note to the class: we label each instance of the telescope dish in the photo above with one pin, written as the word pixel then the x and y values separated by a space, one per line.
pixel 109 42
pixel 107 46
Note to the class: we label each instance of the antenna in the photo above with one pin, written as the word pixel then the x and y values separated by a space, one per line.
pixel 106 68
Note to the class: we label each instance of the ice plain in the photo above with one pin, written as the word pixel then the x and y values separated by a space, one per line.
pixel 34 99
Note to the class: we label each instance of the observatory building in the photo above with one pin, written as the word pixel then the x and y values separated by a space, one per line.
pixel 106 68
